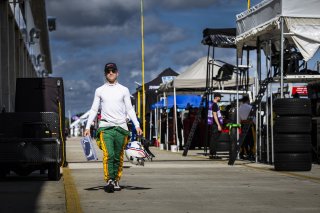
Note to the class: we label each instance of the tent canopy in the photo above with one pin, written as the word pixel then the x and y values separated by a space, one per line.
pixel 302 21
pixel 183 101
pixel 194 77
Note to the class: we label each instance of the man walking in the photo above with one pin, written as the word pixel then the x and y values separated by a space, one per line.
pixel 216 125
pixel 248 143
pixel 112 135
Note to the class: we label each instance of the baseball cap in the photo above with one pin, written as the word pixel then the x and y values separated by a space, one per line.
pixel 217 94
pixel 110 66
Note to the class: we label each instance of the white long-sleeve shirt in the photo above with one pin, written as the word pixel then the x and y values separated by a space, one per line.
pixel 115 103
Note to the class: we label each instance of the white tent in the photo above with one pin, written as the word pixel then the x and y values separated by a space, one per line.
pixel 263 22
pixel 195 76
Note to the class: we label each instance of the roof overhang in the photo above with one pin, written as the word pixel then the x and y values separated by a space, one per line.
pixel 40 18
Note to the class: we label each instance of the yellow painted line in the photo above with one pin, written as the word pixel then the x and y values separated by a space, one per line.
pixel 290 174
pixel 71 193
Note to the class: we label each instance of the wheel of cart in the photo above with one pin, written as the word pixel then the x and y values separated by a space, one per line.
pixel 3 172
pixel 54 171
pixel 233 128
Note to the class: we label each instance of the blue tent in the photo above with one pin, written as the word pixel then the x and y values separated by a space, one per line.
pixel 182 102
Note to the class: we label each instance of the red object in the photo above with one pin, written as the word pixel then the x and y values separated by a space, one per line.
pixel 301 90
pixel 156 143
pixel 226 130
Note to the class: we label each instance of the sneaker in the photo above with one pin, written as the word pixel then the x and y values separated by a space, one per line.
pixel 109 188
pixel 117 186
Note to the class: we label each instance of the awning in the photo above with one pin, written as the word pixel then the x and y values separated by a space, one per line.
pixel 302 22
pixel 306 35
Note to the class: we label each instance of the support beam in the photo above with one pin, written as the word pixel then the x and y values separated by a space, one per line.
pixel 4 68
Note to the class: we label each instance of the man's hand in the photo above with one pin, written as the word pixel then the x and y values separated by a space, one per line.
pixel 219 128
pixel 139 131
pixel 86 132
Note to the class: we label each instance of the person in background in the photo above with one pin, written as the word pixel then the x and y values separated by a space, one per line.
pixel 216 126
pixel 248 143
pixel 112 135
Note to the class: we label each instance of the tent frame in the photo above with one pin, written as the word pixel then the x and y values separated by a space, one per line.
pixel 261 40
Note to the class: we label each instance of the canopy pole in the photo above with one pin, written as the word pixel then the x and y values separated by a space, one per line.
pixel 156 122
pixel 237 88
pixel 175 126
pixel 271 126
pixel 281 57
pixel 160 124
pixel 256 92
pixel 267 113
pixel 259 68
pixel 167 122
pixel 150 126
pixel 271 103
pixel 248 76
pixel 207 137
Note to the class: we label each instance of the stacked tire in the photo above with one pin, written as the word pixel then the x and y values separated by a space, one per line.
pixel 223 144
pixel 292 140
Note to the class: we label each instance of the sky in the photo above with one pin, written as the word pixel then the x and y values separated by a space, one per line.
pixel 91 33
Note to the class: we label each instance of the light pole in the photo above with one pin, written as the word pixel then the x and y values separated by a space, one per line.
pixel 142 72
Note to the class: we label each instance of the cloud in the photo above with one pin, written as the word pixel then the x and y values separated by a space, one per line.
pixel 188 55
pixel 92 13
pixel 78 95
pixel 92 33
pixel 182 4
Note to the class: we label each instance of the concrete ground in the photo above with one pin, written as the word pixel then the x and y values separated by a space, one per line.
pixel 171 183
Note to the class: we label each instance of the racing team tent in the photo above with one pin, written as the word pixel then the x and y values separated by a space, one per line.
pixel 194 77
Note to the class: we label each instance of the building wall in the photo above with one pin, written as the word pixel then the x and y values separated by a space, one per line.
pixel 17 54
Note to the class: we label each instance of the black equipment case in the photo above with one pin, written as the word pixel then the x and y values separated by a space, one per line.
pixel 33 137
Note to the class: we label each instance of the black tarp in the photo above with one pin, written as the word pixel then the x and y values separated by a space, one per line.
pixel 224 37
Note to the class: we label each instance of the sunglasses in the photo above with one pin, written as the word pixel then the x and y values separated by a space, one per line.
pixel 111 70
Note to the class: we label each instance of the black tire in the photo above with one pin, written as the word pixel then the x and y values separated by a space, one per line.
pixel 234 147
pixel 292 106
pixel 224 137
pixel 292 143
pixel 292 161
pixel 293 124
pixel 3 173
pixel 54 171
pixel 223 146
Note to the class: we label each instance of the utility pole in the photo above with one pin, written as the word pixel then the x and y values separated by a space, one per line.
pixel 142 73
